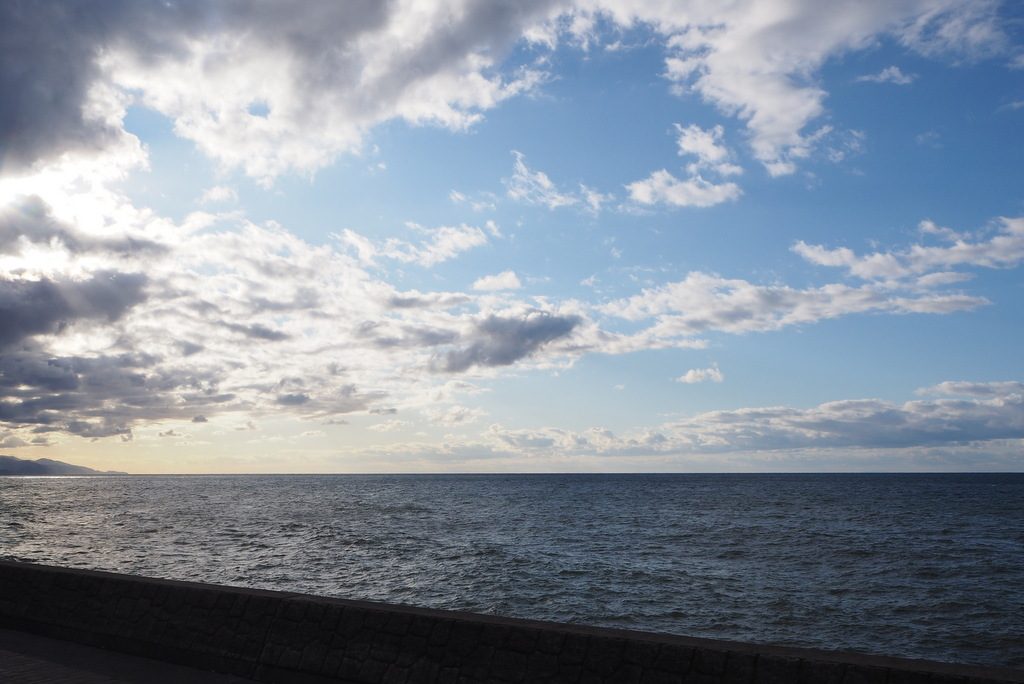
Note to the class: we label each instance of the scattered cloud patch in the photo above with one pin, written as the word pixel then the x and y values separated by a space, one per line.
pixel 483 202
pixel 506 280
pixel 1003 249
pixel 441 244
pixel 706 145
pixel 703 303
pixel 756 65
pixel 535 187
pixel 929 139
pixel 975 389
pixel 218 194
pixel 661 187
pixel 698 375
pixel 890 74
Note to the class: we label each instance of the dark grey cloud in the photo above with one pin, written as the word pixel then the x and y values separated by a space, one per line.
pixel 383 335
pixel 189 348
pixel 294 399
pixel 48 56
pixel 49 50
pixel 98 396
pixel 304 299
pixel 258 331
pixel 47 306
pixel 500 341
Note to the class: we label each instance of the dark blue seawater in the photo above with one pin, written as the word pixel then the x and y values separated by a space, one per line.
pixel 925 566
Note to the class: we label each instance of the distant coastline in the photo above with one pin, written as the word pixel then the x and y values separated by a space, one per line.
pixel 11 465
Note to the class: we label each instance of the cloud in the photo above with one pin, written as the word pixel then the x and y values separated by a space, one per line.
pixel 28 222
pixel 975 389
pixel 506 280
pixel 267 88
pixel 947 433
pixel 697 375
pixel 390 426
pixel 115 317
pixel 273 324
pixel 861 423
pixel 503 340
pixel 43 306
pixel 48 57
pixel 593 200
pixel 705 145
pixel 759 65
pixel 269 324
pixel 535 187
pixel 454 415
pixel 661 187
pixel 702 303
pixel 890 74
pixel 1004 249
pixel 443 243
pixel 484 202
pixel 218 193
pixel 281 87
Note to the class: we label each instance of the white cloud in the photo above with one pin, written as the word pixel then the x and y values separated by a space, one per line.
pixel 890 74
pixel 702 303
pixel 942 434
pixel 390 426
pixel 661 187
pixel 443 243
pixel 1005 249
pixel 485 202
pixel 758 61
pixel 705 144
pixel 697 375
pixel 454 415
pixel 593 200
pixel 142 319
pixel 218 193
pixel 289 87
pixel 534 187
pixel 975 389
pixel 506 280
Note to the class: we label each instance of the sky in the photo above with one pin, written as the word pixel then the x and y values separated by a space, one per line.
pixel 525 236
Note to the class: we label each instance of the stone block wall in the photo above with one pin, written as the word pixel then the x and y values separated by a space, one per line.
pixel 282 637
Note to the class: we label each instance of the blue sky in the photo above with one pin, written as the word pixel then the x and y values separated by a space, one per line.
pixel 609 236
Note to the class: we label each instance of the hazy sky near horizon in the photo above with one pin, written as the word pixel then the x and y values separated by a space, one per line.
pixel 604 235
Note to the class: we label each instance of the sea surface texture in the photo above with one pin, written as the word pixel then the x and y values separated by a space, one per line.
pixel 928 566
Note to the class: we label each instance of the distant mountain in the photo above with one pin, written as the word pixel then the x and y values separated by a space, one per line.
pixel 9 465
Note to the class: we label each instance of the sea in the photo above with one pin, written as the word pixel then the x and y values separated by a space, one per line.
pixel 915 565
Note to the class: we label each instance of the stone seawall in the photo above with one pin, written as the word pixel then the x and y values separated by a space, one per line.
pixel 282 637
